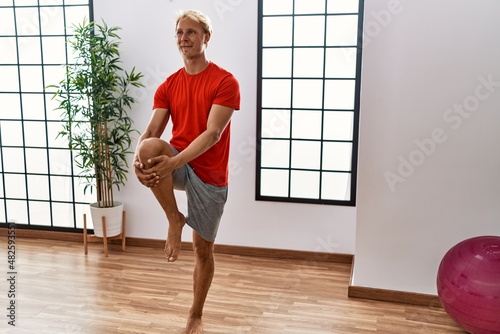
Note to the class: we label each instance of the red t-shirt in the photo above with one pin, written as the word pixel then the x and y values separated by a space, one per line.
pixel 189 99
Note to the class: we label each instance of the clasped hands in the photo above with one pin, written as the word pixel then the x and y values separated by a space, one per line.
pixel 154 170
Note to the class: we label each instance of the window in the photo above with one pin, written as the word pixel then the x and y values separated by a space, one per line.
pixel 309 66
pixel 38 186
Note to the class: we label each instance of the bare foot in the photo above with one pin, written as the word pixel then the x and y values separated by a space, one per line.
pixel 173 243
pixel 194 326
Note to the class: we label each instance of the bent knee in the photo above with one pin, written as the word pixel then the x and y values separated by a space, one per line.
pixel 153 147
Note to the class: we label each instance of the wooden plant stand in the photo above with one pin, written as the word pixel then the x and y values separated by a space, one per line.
pixel 93 238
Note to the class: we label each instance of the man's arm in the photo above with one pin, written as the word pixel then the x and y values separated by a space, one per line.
pixel 157 124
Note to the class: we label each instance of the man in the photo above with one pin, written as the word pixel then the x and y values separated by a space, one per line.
pixel 199 99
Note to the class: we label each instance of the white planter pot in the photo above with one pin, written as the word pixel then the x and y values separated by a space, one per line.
pixel 113 217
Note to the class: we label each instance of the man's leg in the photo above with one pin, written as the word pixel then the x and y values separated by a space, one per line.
pixel 202 279
pixel 164 193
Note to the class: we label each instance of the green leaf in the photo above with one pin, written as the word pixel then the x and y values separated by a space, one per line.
pixel 95 89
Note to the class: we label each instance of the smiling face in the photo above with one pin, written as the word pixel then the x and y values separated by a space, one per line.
pixel 191 39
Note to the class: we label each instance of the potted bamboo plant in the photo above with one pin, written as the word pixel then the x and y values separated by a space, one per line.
pixel 94 98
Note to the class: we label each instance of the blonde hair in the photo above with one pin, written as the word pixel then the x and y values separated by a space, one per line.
pixel 196 16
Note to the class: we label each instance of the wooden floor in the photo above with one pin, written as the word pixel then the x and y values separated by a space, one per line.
pixel 60 290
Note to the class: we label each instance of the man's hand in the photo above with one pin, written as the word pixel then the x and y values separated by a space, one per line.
pixel 159 167
pixel 162 165
pixel 147 179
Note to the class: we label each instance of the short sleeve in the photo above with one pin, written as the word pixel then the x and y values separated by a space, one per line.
pixel 228 93
pixel 160 99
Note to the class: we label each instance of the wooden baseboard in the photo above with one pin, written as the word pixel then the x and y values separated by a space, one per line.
pixel 222 249
pixel 43 234
pixel 284 254
pixel 394 296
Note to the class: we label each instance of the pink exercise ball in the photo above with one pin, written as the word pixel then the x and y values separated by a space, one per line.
pixel 468 284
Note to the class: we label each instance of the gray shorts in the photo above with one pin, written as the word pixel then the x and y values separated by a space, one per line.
pixel 205 202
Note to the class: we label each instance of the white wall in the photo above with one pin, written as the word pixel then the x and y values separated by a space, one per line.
pixel 149 44
pixel 425 60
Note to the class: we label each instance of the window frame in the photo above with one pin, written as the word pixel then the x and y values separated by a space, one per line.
pixel 355 128
pixel 54 201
